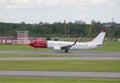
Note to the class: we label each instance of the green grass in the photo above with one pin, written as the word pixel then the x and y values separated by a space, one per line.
pixel 14 47
pixel 34 55
pixel 110 46
pixel 57 80
pixel 71 65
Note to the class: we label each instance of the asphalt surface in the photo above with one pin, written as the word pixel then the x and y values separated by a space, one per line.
pixel 56 74
pixel 72 53
pixel 58 58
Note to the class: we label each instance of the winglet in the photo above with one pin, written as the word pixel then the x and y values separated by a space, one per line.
pixel 104 30
pixel 77 40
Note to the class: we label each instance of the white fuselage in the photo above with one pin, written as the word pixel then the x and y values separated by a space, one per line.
pixel 78 45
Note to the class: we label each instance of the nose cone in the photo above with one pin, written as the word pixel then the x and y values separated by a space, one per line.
pixel 31 44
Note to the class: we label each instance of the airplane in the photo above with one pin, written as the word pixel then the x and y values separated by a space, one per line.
pixel 65 45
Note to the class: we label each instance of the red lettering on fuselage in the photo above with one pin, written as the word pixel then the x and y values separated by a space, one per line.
pixel 39 43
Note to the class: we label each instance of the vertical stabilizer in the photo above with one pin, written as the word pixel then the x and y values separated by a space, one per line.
pixel 99 39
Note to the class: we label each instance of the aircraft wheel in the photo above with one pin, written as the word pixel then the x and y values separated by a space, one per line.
pixel 66 50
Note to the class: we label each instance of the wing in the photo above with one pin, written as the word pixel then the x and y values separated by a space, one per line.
pixel 65 47
pixel 69 46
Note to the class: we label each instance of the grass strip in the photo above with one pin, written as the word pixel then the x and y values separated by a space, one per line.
pixel 109 46
pixel 19 47
pixel 57 80
pixel 35 55
pixel 70 65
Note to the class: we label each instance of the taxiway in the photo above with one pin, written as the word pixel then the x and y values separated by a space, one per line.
pixel 58 58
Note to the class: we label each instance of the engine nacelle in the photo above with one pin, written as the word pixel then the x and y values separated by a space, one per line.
pixel 57 48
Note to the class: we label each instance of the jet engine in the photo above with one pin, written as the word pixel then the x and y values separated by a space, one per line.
pixel 57 48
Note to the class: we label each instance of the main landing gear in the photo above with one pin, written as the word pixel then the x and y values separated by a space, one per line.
pixel 66 50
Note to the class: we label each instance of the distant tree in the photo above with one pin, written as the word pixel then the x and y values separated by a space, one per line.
pixel 57 29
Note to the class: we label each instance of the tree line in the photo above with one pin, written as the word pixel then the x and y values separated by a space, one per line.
pixel 58 29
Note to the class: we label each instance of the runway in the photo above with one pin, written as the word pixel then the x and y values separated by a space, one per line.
pixel 56 74
pixel 71 53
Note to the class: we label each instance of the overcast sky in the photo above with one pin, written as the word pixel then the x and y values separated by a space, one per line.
pixel 34 11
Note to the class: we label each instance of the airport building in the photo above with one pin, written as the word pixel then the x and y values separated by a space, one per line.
pixel 21 38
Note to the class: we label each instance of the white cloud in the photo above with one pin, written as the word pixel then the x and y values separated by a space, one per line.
pixel 53 2
pixel 49 2
pixel 68 2
pixel 96 1
pixel 20 2
pixel 28 3
pixel 17 6
pixel 52 10
pixel 2 0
